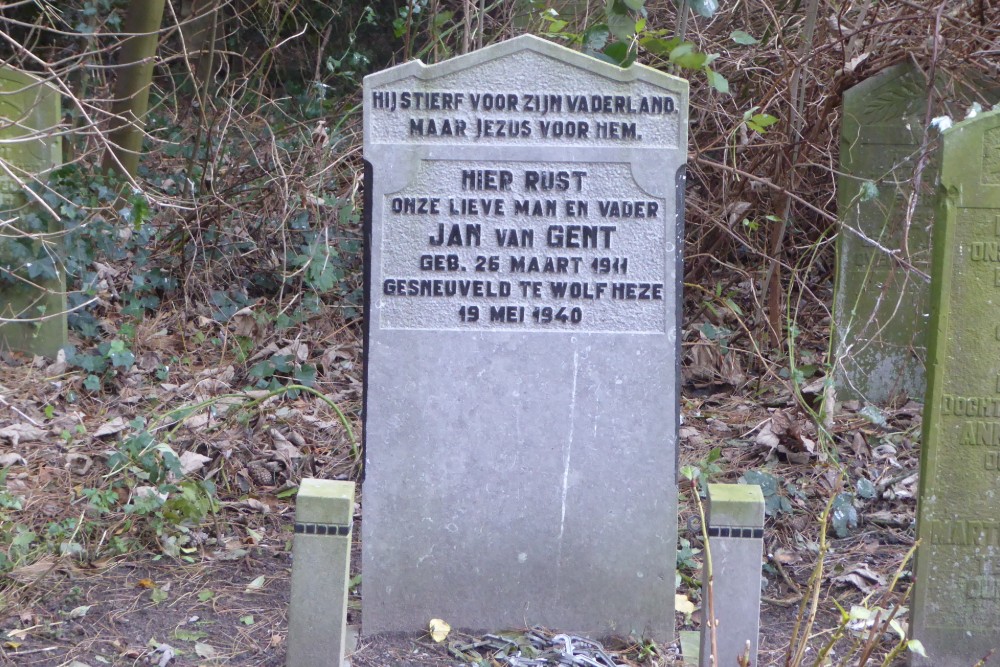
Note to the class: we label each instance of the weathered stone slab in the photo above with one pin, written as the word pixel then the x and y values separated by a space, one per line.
pixel 880 303
pixel 29 147
pixel 521 397
pixel 736 542
pixel 321 570
pixel 956 606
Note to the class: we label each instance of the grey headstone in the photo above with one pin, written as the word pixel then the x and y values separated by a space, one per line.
pixel 956 604
pixel 880 305
pixel 30 147
pixel 520 447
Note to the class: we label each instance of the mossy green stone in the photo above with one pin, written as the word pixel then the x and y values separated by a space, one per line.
pixel 956 606
pixel 325 501
pixel 30 146
pixel 736 505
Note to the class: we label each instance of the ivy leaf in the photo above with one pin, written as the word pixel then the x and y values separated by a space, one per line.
pixel 595 38
pixel 760 122
pixel 621 54
pixel 869 191
pixel 843 516
pixel 743 38
pixel 635 5
pixel 685 56
pixel 866 489
pixel 120 356
pixel 557 25
pixel 717 81
pixel 621 25
pixel 660 47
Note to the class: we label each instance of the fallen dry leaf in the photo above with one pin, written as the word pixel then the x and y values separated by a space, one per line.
pixel 116 425
pixel 78 464
pixel 193 462
pixel 18 433
pixel 862 577
pixel 683 604
pixel 438 630
pixel 209 387
pixel 32 571
pixel 12 459
pixel 244 323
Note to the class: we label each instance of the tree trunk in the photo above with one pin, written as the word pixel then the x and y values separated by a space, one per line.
pixel 135 72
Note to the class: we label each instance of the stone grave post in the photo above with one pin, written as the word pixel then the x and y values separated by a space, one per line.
pixel 735 517
pixel 956 603
pixel 29 148
pixel 881 303
pixel 524 208
pixel 321 570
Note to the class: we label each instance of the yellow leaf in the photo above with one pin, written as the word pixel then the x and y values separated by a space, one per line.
pixel 439 630
pixel 683 605
pixel 12 645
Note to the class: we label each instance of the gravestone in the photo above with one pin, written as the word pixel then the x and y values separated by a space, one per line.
pixel 956 606
pixel 880 305
pixel 29 148
pixel 524 208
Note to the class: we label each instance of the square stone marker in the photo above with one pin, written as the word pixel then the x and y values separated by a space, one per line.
pixel 736 541
pixel 524 237
pixel 956 604
pixel 321 570
pixel 29 148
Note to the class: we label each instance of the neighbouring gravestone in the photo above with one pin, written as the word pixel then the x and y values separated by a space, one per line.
pixel 524 239
pixel 32 281
pixel 956 605
pixel 880 305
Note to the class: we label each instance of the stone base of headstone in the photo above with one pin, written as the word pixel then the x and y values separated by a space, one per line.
pixel 321 560
pixel 736 542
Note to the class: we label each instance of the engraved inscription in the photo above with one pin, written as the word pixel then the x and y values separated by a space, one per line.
pixel 525 246
pixel 991 156
pixel 458 110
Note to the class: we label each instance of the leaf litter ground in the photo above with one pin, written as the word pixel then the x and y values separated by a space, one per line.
pixel 225 601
